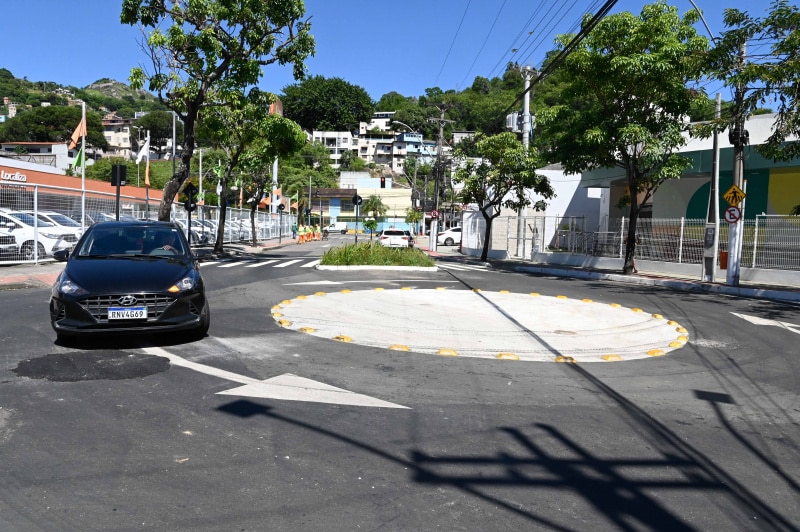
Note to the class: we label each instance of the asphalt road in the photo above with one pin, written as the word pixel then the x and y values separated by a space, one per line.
pixel 263 426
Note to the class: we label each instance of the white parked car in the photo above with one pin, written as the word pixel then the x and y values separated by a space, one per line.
pixel 449 237
pixel 50 237
pixel 60 220
pixel 396 238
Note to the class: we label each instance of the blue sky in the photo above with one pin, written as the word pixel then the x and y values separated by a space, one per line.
pixel 381 46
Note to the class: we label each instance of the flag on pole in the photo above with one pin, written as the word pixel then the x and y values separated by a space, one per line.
pixel 278 191
pixel 77 161
pixel 294 200
pixel 147 173
pixel 144 152
pixel 79 132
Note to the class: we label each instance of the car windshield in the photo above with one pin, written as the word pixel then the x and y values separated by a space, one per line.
pixel 132 240
pixel 64 220
pixel 28 219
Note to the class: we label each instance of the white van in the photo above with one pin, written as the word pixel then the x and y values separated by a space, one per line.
pixel 337 227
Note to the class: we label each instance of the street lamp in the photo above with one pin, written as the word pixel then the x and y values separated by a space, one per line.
pixel 316 195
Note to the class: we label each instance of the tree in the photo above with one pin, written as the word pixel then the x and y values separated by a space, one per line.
pixel 53 124
pixel 773 79
pixel 374 206
pixel 501 178
pixel 159 124
pixel 327 104
pixel 632 100
pixel 252 139
pixel 204 53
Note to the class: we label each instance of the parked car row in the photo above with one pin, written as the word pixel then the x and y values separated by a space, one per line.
pixel 34 237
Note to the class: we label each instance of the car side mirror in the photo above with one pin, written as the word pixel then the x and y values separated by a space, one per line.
pixel 61 255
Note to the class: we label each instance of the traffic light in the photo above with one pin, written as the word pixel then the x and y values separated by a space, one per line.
pixel 191 202
pixel 383 182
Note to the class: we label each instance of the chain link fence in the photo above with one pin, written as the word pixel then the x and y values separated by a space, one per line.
pixel 769 241
pixel 37 220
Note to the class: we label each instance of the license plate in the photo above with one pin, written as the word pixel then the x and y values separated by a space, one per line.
pixel 127 313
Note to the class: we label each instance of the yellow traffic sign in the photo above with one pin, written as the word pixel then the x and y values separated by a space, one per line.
pixel 734 195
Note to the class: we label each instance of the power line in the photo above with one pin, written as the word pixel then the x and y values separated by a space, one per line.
pixel 488 34
pixel 452 43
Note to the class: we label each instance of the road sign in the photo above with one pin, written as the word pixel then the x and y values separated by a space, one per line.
pixel 357 200
pixel 434 214
pixel 732 214
pixel 734 195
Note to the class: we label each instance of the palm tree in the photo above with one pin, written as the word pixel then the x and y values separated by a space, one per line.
pixel 374 206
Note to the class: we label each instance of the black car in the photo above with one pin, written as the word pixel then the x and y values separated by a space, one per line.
pixel 129 277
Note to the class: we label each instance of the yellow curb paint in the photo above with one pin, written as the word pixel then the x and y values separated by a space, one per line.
pixel 504 292
pixel 611 358
pixel 562 297
pixel 319 294
pixel 507 356
pixel 657 316
pixel 683 338
pixel 286 302
pixel 616 305
pixel 276 307
pixel 406 288
pixel 656 353
pixel 342 338
pixel 378 289
pixel 568 360
pixel 301 297
pixel 277 315
pixel 677 344
pixel 345 291
pixel 637 310
pixel 284 323
pixel 398 347
pixel 447 352
pixel 586 300
pixel 681 330
pixel 476 289
pixel 441 288
pixel 535 294
pixel 672 323
pixel 306 329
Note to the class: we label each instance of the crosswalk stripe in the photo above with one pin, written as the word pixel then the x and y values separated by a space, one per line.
pixel 262 263
pixel 461 267
pixel 230 264
pixel 288 263
pixel 310 264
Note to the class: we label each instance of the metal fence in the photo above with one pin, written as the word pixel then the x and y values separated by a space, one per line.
pixel 769 241
pixel 37 220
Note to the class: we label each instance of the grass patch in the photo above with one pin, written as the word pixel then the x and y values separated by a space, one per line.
pixel 374 254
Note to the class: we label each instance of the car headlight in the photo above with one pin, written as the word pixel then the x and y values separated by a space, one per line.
pixel 52 236
pixel 187 283
pixel 68 287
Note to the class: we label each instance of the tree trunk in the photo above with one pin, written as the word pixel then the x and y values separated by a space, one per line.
pixel 487 235
pixel 223 211
pixel 629 266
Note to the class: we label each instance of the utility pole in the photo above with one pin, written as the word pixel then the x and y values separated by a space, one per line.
pixel 738 137
pixel 438 174
pixel 527 73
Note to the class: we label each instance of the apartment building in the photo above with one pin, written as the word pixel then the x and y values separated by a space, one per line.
pixel 117 131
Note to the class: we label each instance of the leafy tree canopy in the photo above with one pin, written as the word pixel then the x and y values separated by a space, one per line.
pixel 53 124
pixel 327 104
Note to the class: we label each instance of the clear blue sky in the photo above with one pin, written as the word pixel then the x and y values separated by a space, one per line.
pixel 381 46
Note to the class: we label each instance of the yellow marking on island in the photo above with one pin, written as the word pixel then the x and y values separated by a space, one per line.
pixel 276 307
pixel 378 289
pixel 306 329
pixel 447 352
pixel 535 294
pixel 562 297
pixel 286 302
pixel 683 339
pixel 586 300
pixel 319 294
pixel 284 323
pixel 672 323
pixel 508 356
pixel 611 358
pixel 301 297
pixel 398 347
pixel 677 344
pixel 345 291
pixel 406 288
pixel 476 289
pixel 342 338
pixel 681 330
pixel 504 292
pixel 657 316
pixel 562 358
pixel 277 315
pixel 656 353
pixel 616 305
pixel 441 288
pixel 636 309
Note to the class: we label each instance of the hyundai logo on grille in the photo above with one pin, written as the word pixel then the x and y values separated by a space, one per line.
pixel 126 300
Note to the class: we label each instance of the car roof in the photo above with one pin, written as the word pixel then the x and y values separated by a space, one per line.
pixel 140 224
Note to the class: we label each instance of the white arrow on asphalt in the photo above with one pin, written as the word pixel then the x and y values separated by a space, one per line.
pixel 763 321
pixel 286 387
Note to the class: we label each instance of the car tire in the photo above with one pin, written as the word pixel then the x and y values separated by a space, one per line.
pixel 26 251
pixel 448 241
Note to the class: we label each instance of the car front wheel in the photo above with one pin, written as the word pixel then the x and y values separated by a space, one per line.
pixel 448 241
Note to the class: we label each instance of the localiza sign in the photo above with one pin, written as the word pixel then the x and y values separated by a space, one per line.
pixel 16 176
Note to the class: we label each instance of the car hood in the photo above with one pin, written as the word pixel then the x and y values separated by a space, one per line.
pixel 129 275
